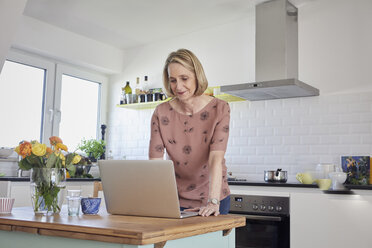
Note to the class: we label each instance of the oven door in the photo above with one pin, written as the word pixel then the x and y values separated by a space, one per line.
pixel 263 231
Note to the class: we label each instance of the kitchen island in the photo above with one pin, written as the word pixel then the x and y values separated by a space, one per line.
pixel 22 228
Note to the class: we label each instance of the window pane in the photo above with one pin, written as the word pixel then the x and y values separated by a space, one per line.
pixel 21 103
pixel 79 110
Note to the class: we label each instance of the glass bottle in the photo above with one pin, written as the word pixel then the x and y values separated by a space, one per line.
pixel 127 88
pixel 138 89
pixel 122 96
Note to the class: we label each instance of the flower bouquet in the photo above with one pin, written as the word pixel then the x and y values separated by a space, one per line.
pixel 48 172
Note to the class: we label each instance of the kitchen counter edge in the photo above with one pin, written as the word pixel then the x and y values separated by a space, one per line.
pixel 293 185
pixel 27 179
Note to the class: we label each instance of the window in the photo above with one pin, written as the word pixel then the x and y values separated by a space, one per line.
pixel 40 98
pixel 21 103
pixel 79 107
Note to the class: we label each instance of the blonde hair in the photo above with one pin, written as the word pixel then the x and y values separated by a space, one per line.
pixel 187 59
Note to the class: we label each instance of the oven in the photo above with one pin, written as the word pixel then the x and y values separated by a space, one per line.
pixel 267 221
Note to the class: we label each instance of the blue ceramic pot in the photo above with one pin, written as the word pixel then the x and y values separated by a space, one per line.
pixel 90 205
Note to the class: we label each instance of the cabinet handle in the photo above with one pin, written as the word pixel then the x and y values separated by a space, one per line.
pixel 263 218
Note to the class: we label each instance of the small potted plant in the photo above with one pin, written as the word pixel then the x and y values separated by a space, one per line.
pixel 93 148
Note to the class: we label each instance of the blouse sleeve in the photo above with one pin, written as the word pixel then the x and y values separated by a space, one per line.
pixel 156 148
pixel 221 131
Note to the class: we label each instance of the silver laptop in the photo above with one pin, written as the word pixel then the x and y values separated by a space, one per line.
pixel 141 187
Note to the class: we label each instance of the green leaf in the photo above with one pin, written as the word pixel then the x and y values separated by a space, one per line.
pixel 51 160
pixel 71 169
pixel 24 165
pixel 34 160
pixel 69 158
pixel 92 147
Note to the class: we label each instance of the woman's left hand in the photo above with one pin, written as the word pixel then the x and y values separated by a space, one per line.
pixel 206 210
pixel 209 210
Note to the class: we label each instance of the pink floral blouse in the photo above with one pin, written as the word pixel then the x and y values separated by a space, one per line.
pixel 188 140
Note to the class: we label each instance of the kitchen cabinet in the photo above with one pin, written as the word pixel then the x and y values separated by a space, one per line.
pixel 322 220
pixel 150 105
pixel 325 220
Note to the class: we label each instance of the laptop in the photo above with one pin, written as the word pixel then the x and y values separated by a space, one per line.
pixel 141 188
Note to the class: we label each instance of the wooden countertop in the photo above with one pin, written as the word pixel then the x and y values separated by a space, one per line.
pixel 116 228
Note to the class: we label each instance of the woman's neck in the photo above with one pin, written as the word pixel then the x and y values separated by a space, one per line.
pixel 192 105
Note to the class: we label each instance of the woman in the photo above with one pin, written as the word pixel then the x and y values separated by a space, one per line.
pixel 194 129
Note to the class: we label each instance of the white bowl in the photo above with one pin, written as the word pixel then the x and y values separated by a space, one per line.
pixel 339 177
pixel 5 152
pixel 6 205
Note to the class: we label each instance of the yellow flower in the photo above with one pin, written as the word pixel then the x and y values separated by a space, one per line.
pixel 62 157
pixel 60 146
pixel 17 149
pixel 76 159
pixel 39 149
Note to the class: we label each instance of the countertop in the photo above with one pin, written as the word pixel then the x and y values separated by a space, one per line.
pixel 295 185
pixel 27 179
pixel 115 228
pixel 240 183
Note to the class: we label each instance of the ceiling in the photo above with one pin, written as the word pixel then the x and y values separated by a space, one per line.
pixel 129 23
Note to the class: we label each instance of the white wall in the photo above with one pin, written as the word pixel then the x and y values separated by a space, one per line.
pixel 10 15
pixel 294 134
pixel 56 43
pixel 226 52
pixel 335 45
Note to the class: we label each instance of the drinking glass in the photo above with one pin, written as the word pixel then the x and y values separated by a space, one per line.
pixel 73 201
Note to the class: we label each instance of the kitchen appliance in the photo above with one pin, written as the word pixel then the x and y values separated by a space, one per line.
pixel 276 56
pixel 267 221
pixel 275 176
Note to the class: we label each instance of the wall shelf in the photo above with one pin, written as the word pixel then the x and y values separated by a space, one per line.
pixel 151 105
pixel 142 105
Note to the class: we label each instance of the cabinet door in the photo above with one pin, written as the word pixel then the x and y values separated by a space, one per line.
pixel 21 192
pixel 325 220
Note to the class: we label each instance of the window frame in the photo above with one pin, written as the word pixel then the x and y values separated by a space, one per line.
pixel 52 88
pixel 48 94
pixel 63 69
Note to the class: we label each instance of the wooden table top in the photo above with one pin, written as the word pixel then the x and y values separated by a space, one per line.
pixel 115 228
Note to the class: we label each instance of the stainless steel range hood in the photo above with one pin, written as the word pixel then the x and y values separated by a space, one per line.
pixel 276 56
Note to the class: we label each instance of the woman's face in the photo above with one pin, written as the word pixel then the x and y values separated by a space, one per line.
pixel 182 81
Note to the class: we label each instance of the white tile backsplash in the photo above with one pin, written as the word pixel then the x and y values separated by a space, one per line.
pixel 292 134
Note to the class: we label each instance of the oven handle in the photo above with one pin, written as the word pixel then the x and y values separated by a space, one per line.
pixel 262 217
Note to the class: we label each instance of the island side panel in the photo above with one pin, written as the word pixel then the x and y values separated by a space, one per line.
pixel 21 239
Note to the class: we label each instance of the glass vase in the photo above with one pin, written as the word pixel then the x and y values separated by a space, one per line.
pixel 47 190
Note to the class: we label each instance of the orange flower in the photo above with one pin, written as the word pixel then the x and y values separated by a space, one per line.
pixel 54 140
pixel 61 146
pixel 25 149
pixel 49 150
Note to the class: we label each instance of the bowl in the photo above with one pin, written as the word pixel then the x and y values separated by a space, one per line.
pixel 324 184
pixel 90 205
pixel 6 205
pixel 305 178
pixel 338 178
pixel 5 152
